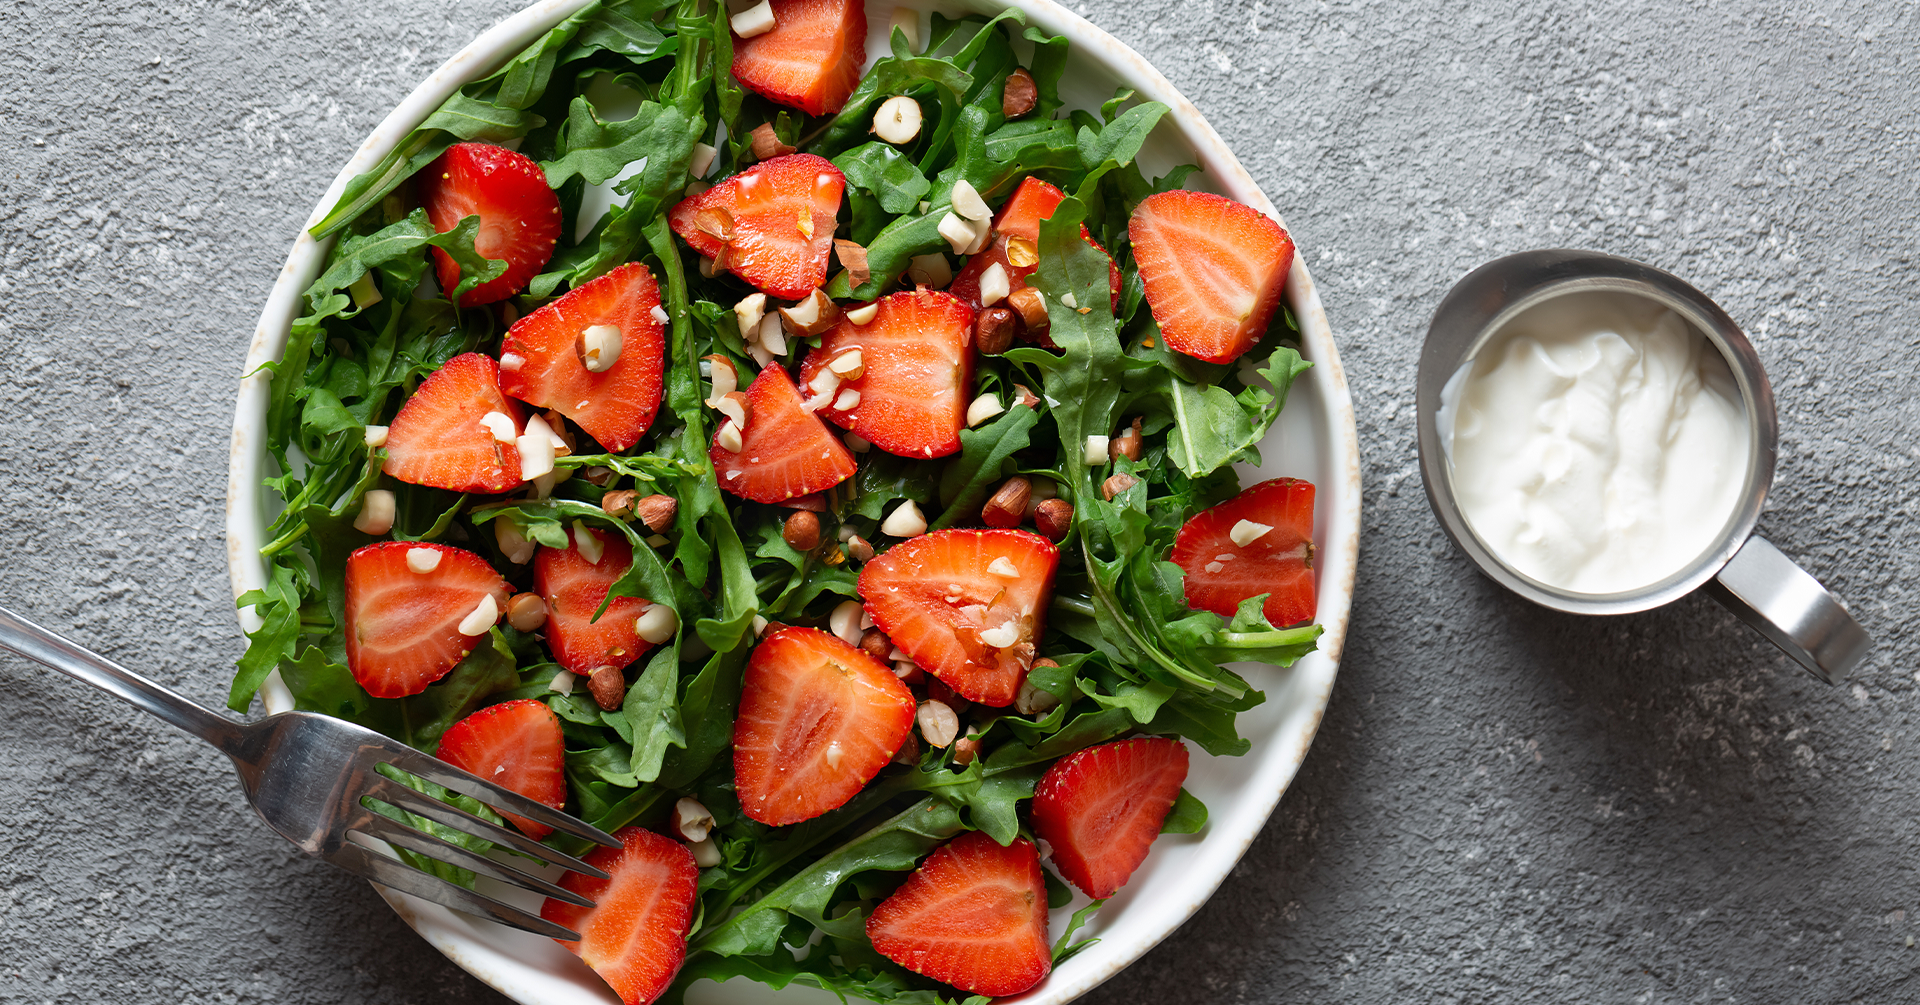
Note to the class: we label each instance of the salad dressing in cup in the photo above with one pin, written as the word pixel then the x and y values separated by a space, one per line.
pixel 1599 437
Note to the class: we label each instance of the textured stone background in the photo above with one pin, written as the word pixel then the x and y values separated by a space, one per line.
pixel 1504 804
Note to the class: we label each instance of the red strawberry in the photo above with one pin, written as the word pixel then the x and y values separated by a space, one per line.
pixel 772 224
pixel 1279 563
pixel 818 719
pixel 541 361
pixel 811 59
pixel 785 451
pixel 573 586
pixel 635 934
pixel 1213 268
pixel 917 375
pixel 1019 220
pixel 1101 807
pixel 403 624
pixel 519 214
pixel 438 438
pixel 973 915
pixel 516 744
pixel 967 605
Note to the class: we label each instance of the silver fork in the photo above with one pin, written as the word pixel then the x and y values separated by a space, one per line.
pixel 309 777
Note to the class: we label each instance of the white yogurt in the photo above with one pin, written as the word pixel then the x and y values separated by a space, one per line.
pixel 1597 442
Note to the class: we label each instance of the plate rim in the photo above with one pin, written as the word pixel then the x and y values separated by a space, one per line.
pixel 1337 548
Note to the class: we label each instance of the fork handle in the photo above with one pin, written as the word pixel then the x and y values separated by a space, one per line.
pixel 36 643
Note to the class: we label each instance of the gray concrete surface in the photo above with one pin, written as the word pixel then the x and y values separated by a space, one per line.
pixel 1504 804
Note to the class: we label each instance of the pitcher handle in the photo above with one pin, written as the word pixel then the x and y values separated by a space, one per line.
pixel 1771 593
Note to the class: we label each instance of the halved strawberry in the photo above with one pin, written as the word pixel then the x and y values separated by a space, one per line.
pixel 771 224
pixel 973 915
pixel 1214 270
pixel 573 585
pixel 785 451
pixel 541 360
pixel 635 934
pixel 818 719
pixel 519 214
pixel 516 744
pixel 406 601
pixel 439 440
pixel 1101 807
pixel 967 605
pixel 1278 562
pixel 811 59
pixel 916 375
pixel 1019 220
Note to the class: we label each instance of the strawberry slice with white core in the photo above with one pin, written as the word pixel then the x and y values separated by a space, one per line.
pixel 635 934
pixel 1213 268
pixel 1260 541
pixel 974 915
pixel 515 744
pixel 785 451
pixel 444 437
pixel 549 357
pixel 968 606
pixel 772 224
pixel 1101 807
pixel 519 215
pixel 811 59
pixel 818 719
pixel 915 374
pixel 574 583
pixel 406 605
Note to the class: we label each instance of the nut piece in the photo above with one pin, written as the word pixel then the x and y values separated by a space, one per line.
pixel 376 512
pixel 909 752
pixel 1033 700
pixel 1032 307
pixel 1023 396
pixel 845 622
pixel 755 20
pixel 859 549
pixel 876 644
pixel 482 618
pixel 1127 444
pixel 692 819
pixel 657 511
pixel 854 258
pixel 967 202
pixel 608 686
pixel 513 544
pixel 766 143
pixel 905 521
pixel 1019 96
pixel 993 330
pixel 983 408
pixel 965 749
pixel 1054 518
pixel 1116 484
pixel 931 270
pixel 619 503
pixel 1246 532
pixel 938 723
pixel 527 612
pixel 811 316
pixel 656 624
pixel 994 285
pixel 599 347
pixel 897 120
pixel 802 532
pixel 1009 504
pixel 423 560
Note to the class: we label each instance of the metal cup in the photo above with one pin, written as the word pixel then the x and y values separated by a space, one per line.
pixel 1740 569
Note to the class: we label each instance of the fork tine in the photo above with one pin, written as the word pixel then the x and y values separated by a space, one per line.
pixel 394 832
pixel 441 773
pixel 399 876
pixel 413 801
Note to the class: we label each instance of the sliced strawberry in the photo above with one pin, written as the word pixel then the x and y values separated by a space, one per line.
pixel 573 585
pixel 811 59
pixel 635 934
pixel 818 719
pixel 967 605
pixel 439 440
pixel 1279 562
pixel 916 378
pixel 519 214
pixel 772 224
pixel 516 744
pixel 973 915
pixel 1214 270
pixel 403 624
pixel 1019 220
pixel 785 451
pixel 541 361
pixel 1101 807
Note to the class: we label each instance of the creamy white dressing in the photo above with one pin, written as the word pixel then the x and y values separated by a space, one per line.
pixel 1597 442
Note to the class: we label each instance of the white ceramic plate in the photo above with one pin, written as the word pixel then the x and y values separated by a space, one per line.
pixel 1314 439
